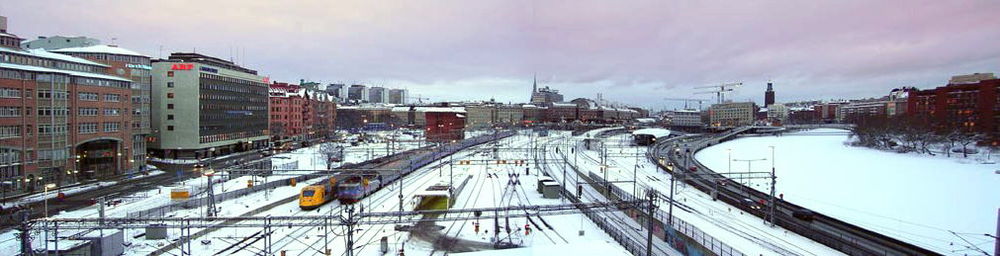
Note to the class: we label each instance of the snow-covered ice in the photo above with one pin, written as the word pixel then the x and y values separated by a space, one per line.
pixel 920 199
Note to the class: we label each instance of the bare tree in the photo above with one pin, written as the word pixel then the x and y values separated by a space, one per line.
pixel 330 151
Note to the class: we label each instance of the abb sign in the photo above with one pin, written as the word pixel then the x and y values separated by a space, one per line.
pixel 182 66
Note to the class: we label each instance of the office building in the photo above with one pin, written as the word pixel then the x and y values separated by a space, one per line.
pixel 357 93
pixel 398 96
pixel 544 96
pixel 378 95
pixel 63 119
pixel 964 106
pixel 134 66
pixel 731 114
pixel 205 107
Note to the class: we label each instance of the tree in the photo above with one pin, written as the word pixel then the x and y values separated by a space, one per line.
pixel 329 151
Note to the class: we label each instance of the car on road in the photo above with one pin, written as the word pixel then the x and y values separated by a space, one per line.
pixel 749 203
pixel 693 168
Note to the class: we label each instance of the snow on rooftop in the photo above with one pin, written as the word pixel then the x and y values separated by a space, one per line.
pixel 432 193
pixel 656 132
pixel 102 48
pixel 41 53
pixel 60 71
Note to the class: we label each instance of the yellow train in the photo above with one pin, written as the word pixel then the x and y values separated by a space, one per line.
pixel 314 196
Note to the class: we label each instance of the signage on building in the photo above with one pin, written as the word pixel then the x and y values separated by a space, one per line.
pixel 138 66
pixel 182 66
pixel 210 70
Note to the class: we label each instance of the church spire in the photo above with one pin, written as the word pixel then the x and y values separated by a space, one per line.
pixel 534 85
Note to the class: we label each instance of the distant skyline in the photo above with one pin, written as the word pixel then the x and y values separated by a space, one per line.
pixel 633 52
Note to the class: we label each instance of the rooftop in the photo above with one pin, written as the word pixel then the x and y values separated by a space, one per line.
pixel 101 48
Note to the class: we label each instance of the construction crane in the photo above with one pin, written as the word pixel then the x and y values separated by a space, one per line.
pixel 720 90
pixel 418 98
pixel 700 101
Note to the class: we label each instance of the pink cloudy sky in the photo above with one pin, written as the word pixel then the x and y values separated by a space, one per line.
pixel 634 52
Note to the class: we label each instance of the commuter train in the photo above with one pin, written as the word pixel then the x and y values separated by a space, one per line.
pixel 315 196
pixel 356 186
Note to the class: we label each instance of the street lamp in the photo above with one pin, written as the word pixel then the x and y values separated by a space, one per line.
pixel 46 195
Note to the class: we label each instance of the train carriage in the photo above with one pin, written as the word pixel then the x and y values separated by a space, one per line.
pixel 357 186
pixel 314 196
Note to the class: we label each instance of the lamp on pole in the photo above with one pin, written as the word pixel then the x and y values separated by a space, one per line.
pixel 749 162
pixel 47 188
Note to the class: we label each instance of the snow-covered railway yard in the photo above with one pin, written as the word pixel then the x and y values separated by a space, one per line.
pixel 304 160
pixel 744 232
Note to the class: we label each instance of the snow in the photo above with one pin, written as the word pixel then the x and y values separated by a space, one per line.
pixel 42 53
pixel 571 249
pixel 110 49
pixel 303 158
pixel 480 192
pixel 697 212
pixel 656 132
pixel 915 198
pixel 60 71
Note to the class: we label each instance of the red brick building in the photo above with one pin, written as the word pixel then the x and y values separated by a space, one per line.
pixel 300 114
pixel 970 107
pixel 62 118
pixel 445 124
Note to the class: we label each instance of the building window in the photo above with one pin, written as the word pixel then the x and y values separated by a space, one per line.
pixel 170 74
pixel 170 127
pixel 170 84
pixel 85 128
pixel 87 96
pixel 46 129
pixel 10 111
pixel 112 127
pixel 112 111
pixel 170 117
pixel 10 93
pixel 87 111
pixel 10 131
pixel 170 95
pixel 170 106
pixel 112 97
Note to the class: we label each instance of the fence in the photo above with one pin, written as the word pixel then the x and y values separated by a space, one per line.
pixel 682 236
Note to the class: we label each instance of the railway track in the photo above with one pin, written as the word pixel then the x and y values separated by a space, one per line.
pixel 847 238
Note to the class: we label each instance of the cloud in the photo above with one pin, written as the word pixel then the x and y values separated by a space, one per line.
pixel 631 51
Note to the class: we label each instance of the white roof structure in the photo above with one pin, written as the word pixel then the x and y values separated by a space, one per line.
pixel 60 71
pixel 101 48
pixel 645 120
pixel 656 132
pixel 40 53
pixel 432 193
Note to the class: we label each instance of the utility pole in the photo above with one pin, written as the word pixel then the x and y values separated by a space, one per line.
pixel 770 216
pixel 749 170
pixel 210 206
pixel 649 223
pixel 670 209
